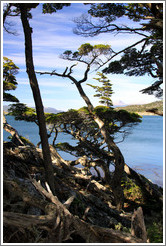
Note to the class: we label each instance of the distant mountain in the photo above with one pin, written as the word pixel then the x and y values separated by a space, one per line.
pixel 145 109
pixel 119 104
pixel 51 110
pixel 46 109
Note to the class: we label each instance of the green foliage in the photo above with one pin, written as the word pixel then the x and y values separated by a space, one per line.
pixel 147 59
pixel 110 12
pixel 126 116
pixel 134 63
pixel 132 191
pixel 118 226
pixel 84 110
pixel 155 231
pixel 26 141
pixel 81 125
pixel 105 91
pixel 112 115
pixel 63 117
pixel 85 49
pixel 22 112
pixel 9 79
pixel 102 48
pixel 53 7
pixel 137 11
pixel 87 52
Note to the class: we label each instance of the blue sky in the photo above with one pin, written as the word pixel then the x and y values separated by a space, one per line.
pixel 52 35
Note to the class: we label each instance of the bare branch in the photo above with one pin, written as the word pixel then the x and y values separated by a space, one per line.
pixel 85 75
pixel 70 70
pixel 121 51
pixel 86 27
pixel 6 12
pixel 69 201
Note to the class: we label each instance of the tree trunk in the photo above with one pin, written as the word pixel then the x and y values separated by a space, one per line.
pixel 138 228
pixel 15 136
pixel 119 160
pixel 37 97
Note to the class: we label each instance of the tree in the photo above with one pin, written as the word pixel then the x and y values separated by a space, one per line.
pixel 9 79
pixel 22 112
pixel 146 60
pixel 24 11
pixel 80 125
pixel 36 95
pixel 90 55
pixel 103 92
pixel 12 10
pixel 10 83
pixel 90 144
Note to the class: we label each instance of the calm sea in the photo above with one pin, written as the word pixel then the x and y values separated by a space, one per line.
pixel 142 148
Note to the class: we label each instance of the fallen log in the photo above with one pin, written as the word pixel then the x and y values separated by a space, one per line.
pixel 59 222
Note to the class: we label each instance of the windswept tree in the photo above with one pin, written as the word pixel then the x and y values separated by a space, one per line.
pixel 134 61
pixel 105 91
pixel 91 55
pixel 90 145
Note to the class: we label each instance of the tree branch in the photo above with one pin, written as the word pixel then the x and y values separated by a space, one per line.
pixel 86 27
pixel 121 51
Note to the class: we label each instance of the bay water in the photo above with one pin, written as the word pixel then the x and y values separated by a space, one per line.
pixel 142 148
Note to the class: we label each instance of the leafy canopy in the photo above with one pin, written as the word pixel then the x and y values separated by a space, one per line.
pixel 135 61
pixel 89 54
pixel 22 112
pixel 9 79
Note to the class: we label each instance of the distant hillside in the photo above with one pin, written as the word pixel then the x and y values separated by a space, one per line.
pixel 145 109
pixel 5 108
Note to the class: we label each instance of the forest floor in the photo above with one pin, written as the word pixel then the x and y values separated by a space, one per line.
pixel 83 210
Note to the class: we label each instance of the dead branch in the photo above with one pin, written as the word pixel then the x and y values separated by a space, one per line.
pixel 60 222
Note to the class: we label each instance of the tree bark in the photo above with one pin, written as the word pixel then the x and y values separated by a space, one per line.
pixel 37 97
pixel 119 160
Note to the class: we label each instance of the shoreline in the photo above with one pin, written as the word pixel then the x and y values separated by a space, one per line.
pixel 146 114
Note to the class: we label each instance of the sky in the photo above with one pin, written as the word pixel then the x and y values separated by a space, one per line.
pixel 52 35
